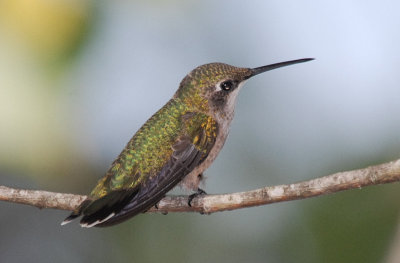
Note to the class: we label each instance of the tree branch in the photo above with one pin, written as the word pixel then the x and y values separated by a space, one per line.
pixel 373 175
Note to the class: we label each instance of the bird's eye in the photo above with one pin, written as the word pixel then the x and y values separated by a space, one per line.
pixel 226 85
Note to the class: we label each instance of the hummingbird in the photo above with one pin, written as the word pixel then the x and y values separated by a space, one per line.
pixel 175 146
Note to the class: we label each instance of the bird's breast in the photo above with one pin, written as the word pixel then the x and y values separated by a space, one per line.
pixel 193 179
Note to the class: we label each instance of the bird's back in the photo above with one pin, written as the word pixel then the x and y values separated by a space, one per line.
pixel 146 153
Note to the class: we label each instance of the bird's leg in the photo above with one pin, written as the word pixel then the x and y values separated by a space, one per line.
pixel 199 192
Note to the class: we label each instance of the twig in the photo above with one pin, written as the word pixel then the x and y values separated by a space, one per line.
pixel 373 175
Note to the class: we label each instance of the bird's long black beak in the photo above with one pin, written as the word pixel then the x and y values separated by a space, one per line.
pixel 256 71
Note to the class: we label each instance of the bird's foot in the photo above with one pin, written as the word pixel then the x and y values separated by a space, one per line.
pixel 156 207
pixel 192 196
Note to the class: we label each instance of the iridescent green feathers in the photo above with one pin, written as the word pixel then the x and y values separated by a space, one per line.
pixel 166 148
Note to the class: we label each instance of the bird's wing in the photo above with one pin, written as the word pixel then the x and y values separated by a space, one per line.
pixel 189 151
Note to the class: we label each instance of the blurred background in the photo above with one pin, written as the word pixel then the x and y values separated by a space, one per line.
pixel 78 78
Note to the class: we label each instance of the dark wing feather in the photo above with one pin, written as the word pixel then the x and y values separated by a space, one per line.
pixel 184 159
pixel 189 151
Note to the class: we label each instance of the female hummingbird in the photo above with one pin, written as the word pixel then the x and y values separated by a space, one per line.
pixel 175 145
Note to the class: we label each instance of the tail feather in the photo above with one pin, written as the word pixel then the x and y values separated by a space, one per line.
pixel 69 219
pixel 106 207
pixel 77 212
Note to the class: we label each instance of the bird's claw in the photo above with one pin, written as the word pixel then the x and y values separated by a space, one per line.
pixel 192 196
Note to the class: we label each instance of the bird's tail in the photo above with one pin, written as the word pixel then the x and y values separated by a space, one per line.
pixel 77 212
pixel 100 210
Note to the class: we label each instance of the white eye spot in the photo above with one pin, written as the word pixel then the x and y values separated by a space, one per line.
pixel 217 87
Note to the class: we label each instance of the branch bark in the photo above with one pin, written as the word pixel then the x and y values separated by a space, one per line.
pixel 373 175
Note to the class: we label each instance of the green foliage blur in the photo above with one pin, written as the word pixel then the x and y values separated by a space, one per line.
pixel 78 78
